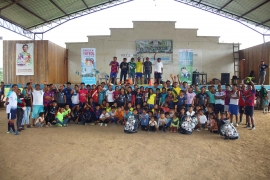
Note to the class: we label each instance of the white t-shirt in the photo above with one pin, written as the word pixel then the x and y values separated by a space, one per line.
pixel 109 94
pixel 112 113
pixel 203 119
pixel 104 115
pixel 12 101
pixel 234 101
pixel 152 123
pixel 190 114
pixel 158 66
pixel 160 121
pixel 75 97
pixel 37 97
pixel 220 94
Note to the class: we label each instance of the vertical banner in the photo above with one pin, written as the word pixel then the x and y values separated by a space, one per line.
pixel 25 59
pixel 88 63
pixel 186 65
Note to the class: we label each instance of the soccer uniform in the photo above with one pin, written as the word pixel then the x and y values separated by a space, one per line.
pixel 233 106
pixel 249 103
pixel 132 68
pixel 11 109
pixel 139 69
pixel 114 68
pixel 219 103
pixel 38 106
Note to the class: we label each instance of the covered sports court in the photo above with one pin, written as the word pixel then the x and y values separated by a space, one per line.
pixel 93 152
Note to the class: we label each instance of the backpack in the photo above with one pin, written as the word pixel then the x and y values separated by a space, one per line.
pixel 227 130
pixel 187 124
pixel 131 125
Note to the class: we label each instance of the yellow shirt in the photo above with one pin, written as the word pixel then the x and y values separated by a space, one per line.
pixel 151 99
pixel 139 67
pixel 176 92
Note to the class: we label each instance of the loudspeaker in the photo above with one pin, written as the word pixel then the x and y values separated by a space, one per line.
pixel 225 78
pixel 195 79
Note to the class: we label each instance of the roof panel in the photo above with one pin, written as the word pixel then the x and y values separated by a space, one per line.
pixel 20 16
pixel 93 2
pixel 3 4
pixel 261 14
pixel 70 6
pixel 45 9
pixel 216 3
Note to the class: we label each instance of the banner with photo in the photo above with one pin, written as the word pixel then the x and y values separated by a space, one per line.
pixel 88 63
pixel 25 59
pixel 186 65
pixel 154 46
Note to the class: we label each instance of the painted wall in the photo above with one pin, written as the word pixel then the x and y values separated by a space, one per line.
pixel 50 63
pixel 210 56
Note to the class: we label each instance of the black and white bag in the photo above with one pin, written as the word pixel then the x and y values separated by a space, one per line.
pixel 131 125
pixel 187 124
pixel 227 130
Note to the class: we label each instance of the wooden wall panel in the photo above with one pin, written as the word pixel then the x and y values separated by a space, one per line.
pixel 253 57
pixel 50 63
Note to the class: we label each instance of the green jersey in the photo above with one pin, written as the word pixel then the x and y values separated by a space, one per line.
pixel 132 67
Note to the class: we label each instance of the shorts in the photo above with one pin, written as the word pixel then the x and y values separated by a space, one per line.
pixel 158 75
pixel 12 114
pixel 226 107
pixel 233 109
pixel 249 110
pixel 138 75
pixel 242 109
pixel 219 108
pixel 36 110
pixel 131 75
pixel 73 105
pixel 151 106
pixel 113 75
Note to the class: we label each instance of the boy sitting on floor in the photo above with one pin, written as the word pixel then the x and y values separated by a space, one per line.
pixel 60 120
pixel 104 117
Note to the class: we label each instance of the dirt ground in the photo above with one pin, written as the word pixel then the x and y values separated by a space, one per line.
pixel 94 152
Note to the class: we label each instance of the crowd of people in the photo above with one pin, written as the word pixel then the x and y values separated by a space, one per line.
pixel 158 108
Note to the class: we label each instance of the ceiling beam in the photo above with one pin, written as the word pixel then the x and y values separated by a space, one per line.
pixel 255 8
pixel 31 12
pixel 85 4
pixel 225 5
pixel 58 7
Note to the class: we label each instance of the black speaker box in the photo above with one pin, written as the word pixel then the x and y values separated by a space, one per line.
pixel 225 78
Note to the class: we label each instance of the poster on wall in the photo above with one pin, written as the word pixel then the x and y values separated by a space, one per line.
pixel 154 46
pixel 25 59
pixel 88 63
pixel 186 65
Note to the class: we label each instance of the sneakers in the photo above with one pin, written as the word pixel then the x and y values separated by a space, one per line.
pixel 236 124
pixel 16 133
pixel 92 124
pixel 101 124
pixel 65 125
pixel 248 126
pixel 8 132
pixel 253 128
pixel 106 124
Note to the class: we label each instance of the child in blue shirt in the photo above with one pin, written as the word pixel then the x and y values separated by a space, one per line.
pixel 127 113
pixel 97 114
pixel 169 120
pixel 144 120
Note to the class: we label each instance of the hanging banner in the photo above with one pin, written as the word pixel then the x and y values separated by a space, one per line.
pixel 25 59
pixel 186 65
pixel 154 46
pixel 88 63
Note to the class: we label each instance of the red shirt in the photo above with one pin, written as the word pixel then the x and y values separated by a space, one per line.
pixel 227 99
pixel 94 94
pixel 241 98
pixel 250 97
pixel 83 95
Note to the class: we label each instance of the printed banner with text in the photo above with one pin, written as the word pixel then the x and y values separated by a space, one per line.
pixel 25 59
pixel 88 62
pixel 186 65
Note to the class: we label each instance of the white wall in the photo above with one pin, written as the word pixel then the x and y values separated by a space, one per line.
pixel 210 56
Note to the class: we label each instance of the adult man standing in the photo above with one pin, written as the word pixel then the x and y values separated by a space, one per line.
pixel 241 102
pixel 249 105
pixel 191 96
pixel 61 96
pixel 68 94
pixel 139 70
pixel 83 95
pixel 202 98
pixel 131 71
pixel 147 70
pixel 114 70
pixel 11 110
pixel 2 91
pixel 124 70
pixel 38 106
pixel 262 72
pixel 219 101
pixel 158 69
